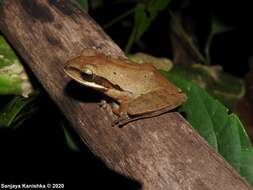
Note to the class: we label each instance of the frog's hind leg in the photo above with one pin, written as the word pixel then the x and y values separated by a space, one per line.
pixel 123 121
pixel 152 104
pixel 155 101
pixel 121 111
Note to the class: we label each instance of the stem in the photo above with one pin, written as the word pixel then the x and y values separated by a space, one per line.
pixel 130 41
pixel 186 39
pixel 207 49
pixel 117 19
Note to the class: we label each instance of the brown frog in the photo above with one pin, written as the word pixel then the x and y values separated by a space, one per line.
pixel 139 91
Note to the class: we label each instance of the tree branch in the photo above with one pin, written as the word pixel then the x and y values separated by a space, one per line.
pixel 161 153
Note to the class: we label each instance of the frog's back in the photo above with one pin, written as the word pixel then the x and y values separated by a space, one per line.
pixel 133 77
pixel 141 78
pixel 136 78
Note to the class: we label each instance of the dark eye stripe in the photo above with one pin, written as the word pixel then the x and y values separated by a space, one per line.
pixel 106 83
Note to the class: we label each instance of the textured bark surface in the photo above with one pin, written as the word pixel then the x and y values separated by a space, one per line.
pixel 161 153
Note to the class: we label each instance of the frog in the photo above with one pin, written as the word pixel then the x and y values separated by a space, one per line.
pixel 138 91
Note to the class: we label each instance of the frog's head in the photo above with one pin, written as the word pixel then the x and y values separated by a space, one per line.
pixel 89 72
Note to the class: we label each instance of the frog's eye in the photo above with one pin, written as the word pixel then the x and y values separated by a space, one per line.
pixel 87 74
pixel 87 71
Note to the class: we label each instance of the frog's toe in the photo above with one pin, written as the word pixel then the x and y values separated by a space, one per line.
pixel 115 123
pixel 102 104
pixel 121 121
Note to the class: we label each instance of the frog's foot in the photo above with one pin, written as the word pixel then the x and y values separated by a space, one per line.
pixel 102 104
pixel 121 121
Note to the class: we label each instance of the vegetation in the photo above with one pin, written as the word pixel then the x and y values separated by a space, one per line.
pixel 190 44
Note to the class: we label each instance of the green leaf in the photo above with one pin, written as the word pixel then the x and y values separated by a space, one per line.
pixel 229 139
pixel 214 81
pixel 13 78
pixel 7 55
pixel 70 140
pixel 95 4
pixel 222 130
pixel 144 14
pixel 84 4
pixel 18 110
pixel 247 164
pixel 142 21
pixel 217 26
pixel 244 138
pixel 155 6
pixel 141 24
pixel 201 118
pixel 10 85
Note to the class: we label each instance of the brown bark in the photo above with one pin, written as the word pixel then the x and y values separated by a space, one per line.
pixel 163 152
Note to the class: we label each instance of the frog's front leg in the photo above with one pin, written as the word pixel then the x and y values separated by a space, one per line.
pixel 102 104
pixel 121 112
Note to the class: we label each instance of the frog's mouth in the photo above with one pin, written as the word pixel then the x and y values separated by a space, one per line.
pixel 93 81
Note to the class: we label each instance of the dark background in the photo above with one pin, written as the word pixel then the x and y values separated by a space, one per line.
pixel 37 151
